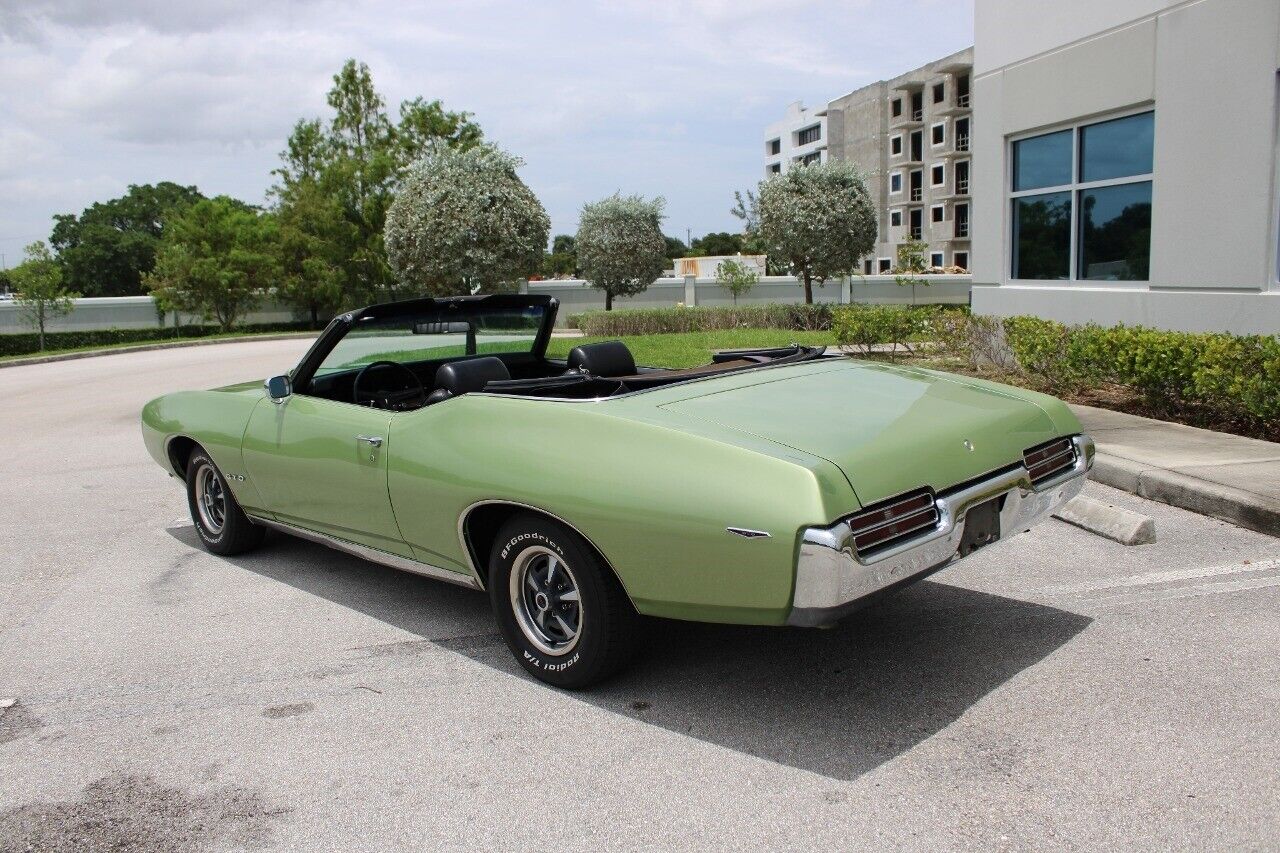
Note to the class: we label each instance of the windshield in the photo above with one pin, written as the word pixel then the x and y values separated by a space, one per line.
pixel 441 332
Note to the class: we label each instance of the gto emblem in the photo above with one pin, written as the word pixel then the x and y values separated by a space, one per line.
pixel 968 445
pixel 239 478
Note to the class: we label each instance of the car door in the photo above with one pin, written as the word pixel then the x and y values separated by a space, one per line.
pixel 322 465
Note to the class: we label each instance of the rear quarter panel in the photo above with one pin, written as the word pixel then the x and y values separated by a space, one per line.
pixel 654 500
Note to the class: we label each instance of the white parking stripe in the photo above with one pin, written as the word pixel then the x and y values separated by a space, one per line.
pixel 1214 588
pixel 1153 578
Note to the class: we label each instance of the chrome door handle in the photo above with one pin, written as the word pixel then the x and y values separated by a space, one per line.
pixel 372 440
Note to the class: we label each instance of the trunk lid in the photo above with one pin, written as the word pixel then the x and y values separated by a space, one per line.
pixel 889 429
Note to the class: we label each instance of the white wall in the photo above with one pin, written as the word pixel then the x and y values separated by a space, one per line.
pixel 1209 69
pixel 121 312
pixel 577 296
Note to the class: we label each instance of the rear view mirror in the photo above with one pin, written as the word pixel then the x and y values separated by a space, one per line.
pixel 278 388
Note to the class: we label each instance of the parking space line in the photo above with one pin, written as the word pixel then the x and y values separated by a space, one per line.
pixel 1155 578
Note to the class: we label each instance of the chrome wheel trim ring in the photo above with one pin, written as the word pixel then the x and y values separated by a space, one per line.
pixel 211 499
pixel 546 600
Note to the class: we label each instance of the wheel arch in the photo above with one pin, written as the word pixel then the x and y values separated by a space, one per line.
pixel 178 450
pixel 478 527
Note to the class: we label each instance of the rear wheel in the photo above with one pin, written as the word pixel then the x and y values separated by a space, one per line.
pixel 562 612
pixel 221 524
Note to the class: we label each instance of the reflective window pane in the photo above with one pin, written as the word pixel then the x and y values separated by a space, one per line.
pixel 1042 161
pixel 1115 232
pixel 1117 148
pixel 1042 236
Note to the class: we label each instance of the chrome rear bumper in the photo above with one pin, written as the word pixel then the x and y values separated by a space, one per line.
pixel 832 580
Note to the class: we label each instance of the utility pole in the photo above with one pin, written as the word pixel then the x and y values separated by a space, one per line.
pixel 688 236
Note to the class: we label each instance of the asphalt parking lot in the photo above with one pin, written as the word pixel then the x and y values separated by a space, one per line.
pixel 1059 691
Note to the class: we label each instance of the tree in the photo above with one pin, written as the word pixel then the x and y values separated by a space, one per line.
pixel 111 245
pixel 464 222
pixel 620 245
pixel 217 259
pixel 310 249
pixel 563 257
pixel 736 277
pixel 715 243
pixel 41 295
pixel 675 248
pixel 820 220
pixel 746 206
pixel 911 263
pixel 360 158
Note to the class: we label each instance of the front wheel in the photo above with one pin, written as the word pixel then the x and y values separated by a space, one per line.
pixel 562 612
pixel 221 523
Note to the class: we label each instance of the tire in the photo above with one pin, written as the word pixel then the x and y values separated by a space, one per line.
pixel 235 533
pixel 593 637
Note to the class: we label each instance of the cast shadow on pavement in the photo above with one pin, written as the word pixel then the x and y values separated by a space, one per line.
pixel 837 702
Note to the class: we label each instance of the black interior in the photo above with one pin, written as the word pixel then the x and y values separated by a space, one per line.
pixel 592 371
pixel 608 358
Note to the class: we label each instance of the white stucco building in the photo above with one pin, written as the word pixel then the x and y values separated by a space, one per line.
pixel 1129 162
pixel 799 138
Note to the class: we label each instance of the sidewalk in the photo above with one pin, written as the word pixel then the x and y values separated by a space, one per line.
pixel 1225 476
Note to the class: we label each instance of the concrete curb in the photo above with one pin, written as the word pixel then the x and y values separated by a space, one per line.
pixel 190 342
pixel 1245 509
pixel 1110 522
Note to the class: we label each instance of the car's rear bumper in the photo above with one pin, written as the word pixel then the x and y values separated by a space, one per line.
pixel 832 580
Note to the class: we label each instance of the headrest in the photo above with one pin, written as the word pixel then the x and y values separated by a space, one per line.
pixel 610 358
pixel 461 377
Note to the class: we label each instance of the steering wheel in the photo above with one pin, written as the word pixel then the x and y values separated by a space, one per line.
pixel 413 396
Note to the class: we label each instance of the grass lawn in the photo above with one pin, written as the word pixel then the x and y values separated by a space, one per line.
pixel 690 349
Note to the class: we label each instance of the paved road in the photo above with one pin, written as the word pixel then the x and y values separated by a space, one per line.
pixel 1060 691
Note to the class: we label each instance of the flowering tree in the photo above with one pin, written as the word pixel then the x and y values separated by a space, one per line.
pixel 464 222
pixel 819 218
pixel 621 249
pixel 40 292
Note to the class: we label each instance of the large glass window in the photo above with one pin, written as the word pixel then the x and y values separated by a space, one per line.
pixel 1081 202
pixel 1117 148
pixel 1042 236
pixel 1115 232
pixel 1042 161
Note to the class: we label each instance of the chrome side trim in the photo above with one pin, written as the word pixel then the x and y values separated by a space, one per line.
pixel 831 578
pixel 749 533
pixel 373 555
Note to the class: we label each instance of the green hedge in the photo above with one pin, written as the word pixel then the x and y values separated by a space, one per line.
pixel 1221 376
pixel 863 327
pixel 656 321
pixel 29 343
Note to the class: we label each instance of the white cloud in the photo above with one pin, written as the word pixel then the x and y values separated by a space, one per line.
pixel 657 96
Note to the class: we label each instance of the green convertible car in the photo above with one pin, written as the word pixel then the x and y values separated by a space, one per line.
pixel 769 487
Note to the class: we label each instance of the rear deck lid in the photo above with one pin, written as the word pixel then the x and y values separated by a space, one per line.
pixel 889 429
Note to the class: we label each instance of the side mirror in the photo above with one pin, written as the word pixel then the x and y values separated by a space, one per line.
pixel 278 388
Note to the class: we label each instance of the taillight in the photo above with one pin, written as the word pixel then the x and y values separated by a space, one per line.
pixel 1050 459
pixel 893 521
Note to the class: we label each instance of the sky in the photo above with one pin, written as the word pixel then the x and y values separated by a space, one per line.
pixel 658 97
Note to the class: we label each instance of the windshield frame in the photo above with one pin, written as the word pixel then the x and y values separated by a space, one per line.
pixel 338 328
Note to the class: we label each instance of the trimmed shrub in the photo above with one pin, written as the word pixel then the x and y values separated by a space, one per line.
pixel 29 344
pixel 864 327
pixel 1213 375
